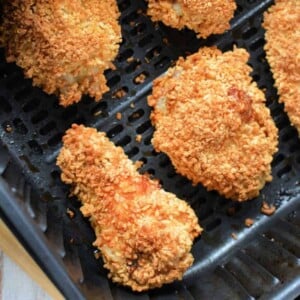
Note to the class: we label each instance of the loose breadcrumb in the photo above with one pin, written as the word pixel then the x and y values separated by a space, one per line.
pixel 140 78
pixel 118 116
pixel 249 222
pixel 267 209
pixel 144 233
pixel 234 236
pixel 64 46
pixel 204 17
pixel 211 120
pixel 138 138
pixel 120 93
pixel 70 213
pixel 282 24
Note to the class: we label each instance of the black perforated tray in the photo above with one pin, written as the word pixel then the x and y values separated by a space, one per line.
pixel 231 260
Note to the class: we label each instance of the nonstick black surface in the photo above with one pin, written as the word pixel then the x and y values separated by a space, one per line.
pixel 231 260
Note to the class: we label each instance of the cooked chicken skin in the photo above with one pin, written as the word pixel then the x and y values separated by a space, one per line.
pixel 64 46
pixel 282 24
pixel 204 17
pixel 144 233
pixel 211 120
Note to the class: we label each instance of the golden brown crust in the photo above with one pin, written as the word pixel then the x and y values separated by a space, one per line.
pixel 64 46
pixel 144 233
pixel 282 24
pixel 204 17
pixel 211 120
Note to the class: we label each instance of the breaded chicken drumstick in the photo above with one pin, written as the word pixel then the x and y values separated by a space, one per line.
pixel 211 120
pixel 64 46
pixel 282 24
pixel 204 17
pixel 144 233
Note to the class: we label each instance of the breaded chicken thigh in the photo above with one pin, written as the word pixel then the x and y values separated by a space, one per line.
pixel 204 17
pixel 144 233
pixel 282 24
pixel 64 46
pixel 211 120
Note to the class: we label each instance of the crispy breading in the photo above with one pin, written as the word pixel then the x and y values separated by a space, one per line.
pixel 204 17
pixel 211 120
pixel 282 24
pixel 144 233
pixel 64 46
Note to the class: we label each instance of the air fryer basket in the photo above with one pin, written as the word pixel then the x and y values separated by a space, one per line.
pixel 232 261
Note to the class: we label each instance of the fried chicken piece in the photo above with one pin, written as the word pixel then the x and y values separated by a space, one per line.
pixel 211 120
pixel 144 233
pixel 64 46
pixel 282 24
pixel 204 17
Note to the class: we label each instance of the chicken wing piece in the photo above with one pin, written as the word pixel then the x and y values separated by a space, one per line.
pixel 64 46
pixel 204 17
pixel 144 233
pixel 211 120
pixel 282 24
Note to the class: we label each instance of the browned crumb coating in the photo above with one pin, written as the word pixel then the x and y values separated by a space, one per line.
pixel 211 120
pixel 144 233
pixel 282 24
pixel 204 17
pixel 64 46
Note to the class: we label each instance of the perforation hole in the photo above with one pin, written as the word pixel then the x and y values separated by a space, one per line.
pixel 136 115
pixel 55 140
pixel 153 53
pixel 4 105
pixel 132 152
pixel 113 81
pixel 115 131
pixel 35 147
pixel 124 141
pixel 147 140
pixel 144 127
pixel 32 105
pixel 20 126
pixel 150 171
pixel 47 128
pixel 40 116
pixel 139 79
pixel 120 93
pixel 125 55
pixel 100 109
pixel 55 176
pixel 133 66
